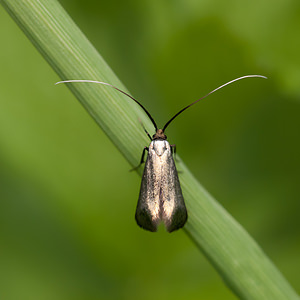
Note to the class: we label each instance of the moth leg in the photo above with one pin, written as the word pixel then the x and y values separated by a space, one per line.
pixel 173 149
pixel 142 159
pixel 145 130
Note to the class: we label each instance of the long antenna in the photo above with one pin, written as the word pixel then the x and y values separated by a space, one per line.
pixel 218 88
pixel 93 81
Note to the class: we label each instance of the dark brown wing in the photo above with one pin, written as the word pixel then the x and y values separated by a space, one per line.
pixel 174 213
pixel 160 196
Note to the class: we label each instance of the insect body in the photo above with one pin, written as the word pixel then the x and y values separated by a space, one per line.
pixel 160 198
pixel 160 194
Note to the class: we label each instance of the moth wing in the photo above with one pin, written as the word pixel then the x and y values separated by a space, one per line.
pixel 148 209
pixel 174 213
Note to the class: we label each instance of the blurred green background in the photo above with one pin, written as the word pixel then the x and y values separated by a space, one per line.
pixel 67 228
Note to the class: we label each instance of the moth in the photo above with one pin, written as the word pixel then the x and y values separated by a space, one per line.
pixel 160 198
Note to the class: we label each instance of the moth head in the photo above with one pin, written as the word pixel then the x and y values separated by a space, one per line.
pixel 159 135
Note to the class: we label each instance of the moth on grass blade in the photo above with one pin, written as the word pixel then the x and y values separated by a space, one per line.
pixel 160 198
